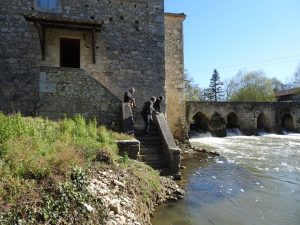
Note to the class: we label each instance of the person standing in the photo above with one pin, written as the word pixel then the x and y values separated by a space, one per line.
pixel 146 113
pixel 157 103
pixel 128 97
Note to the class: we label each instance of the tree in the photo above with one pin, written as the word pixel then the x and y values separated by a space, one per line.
pixel 295 80
pixel 192 91
pixel 214 92
pixel 252 86
pixel 229 86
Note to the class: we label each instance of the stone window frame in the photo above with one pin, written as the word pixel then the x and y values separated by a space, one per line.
pixel 57 10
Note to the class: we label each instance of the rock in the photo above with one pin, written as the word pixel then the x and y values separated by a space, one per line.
pixel 88 207
pixel 115 206
pixel 182 167
pixel 118 183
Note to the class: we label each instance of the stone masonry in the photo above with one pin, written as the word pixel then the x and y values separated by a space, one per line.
pixel 74 91
pixel 129 52
pixel 248 116
pixel 174 74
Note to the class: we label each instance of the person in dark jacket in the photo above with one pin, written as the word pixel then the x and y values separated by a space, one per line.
pixel 128 97
pixel 157 103
pixel 147 113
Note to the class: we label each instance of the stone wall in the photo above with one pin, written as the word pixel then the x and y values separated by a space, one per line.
pixel 67 92
pixel 129 49
pixel 175 98
pixel 247 114
pixel 19 60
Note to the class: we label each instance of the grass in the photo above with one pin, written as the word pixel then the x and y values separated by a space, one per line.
pixel 37 161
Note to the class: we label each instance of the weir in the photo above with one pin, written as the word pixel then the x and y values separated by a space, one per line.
pixel 249 117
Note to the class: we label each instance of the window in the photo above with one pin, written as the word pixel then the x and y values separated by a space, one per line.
pixel 70 52
pixel 50 5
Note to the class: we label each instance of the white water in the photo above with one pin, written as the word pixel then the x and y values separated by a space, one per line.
pixel 230 132
pixel 255 181
pixel 270 152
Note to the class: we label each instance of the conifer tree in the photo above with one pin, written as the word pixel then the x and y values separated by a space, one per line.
pixel 214 92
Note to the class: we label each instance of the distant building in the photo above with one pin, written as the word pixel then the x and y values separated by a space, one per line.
pixel 290 95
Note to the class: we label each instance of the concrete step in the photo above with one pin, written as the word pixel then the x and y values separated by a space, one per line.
pixel 152 157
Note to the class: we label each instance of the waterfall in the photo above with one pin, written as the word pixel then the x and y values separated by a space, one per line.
pixel 195 134
pixel 233 132
pixel 261 132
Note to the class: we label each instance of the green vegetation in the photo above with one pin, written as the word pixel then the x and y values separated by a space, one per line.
pixel 192 91
pixel 44 167
pixel 251 87
pixel 214 92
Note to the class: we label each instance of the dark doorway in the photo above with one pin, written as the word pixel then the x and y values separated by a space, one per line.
pixel 70 52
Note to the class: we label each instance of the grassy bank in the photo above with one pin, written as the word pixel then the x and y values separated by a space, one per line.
pixel 45 168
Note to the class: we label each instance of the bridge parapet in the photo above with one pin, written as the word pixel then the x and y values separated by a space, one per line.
pixel 249 117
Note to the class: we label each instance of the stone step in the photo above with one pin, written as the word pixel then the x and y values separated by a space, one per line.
pixel 142 126
pixel 152 157
pixel 149 151
pixel 148 138
pixel 156 164
pixel 151 144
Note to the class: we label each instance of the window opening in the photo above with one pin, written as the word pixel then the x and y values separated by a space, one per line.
pixel 70 52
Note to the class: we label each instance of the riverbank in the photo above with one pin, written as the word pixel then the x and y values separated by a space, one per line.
pixel 69 172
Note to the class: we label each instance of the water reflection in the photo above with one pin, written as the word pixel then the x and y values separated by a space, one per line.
pixel 258 182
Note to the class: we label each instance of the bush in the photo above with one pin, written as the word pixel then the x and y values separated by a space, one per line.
pixel 71 204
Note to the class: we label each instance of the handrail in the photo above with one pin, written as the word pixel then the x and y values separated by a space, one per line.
pixel 171 151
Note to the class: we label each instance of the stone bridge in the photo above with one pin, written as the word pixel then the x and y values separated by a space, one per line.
pixel 249 117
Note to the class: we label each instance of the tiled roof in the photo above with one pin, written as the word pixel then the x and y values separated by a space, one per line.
pixel 291 91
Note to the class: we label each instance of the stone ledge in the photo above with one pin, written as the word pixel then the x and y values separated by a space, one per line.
pixel 130 147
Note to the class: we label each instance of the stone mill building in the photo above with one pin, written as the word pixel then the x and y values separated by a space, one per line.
pixel 63 57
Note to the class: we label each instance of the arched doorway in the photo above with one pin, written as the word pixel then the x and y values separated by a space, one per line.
pixel 287 122
pixel 232 121
pixel 262 123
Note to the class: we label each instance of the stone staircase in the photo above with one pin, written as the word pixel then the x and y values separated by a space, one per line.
pixel 151 151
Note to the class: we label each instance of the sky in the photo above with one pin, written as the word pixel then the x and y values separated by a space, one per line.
pixel 234 35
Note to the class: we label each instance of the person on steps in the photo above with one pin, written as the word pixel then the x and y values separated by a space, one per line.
pixel 128 97
pixel 146 113
pixel 157 103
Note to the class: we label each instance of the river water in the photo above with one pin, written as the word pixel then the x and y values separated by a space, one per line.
pixel 255 181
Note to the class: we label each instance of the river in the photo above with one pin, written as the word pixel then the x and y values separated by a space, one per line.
pixel 255 181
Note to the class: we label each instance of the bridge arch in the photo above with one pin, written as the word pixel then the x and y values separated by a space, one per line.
pixel 287 122
pixel 200 122
pixel 218 125
pixel 232 121
pixel 263 123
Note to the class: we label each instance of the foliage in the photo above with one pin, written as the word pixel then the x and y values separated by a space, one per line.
pixel 192 91
pixel 43 167
pixel 253 86
pixel 295 79
pixel 145 178
pixel 32 150
pixel 71 204
pixel 214 92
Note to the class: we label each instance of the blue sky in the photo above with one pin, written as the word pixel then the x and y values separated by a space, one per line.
pixel 233 35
